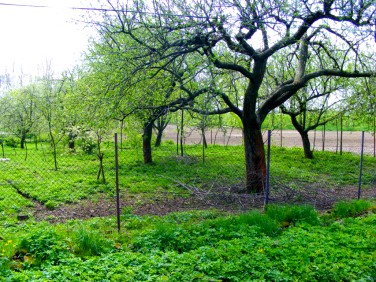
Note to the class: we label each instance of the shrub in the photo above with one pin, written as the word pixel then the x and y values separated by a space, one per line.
pixel 293 214
pixel 87 145
pixel 11 142
pixel 353 208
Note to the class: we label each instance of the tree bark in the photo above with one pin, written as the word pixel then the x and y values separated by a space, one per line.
pixel 308 153
pixel 204 142
pixel 146 142
pixel 158 140
pixel 254 158
pixel 160 125
pixel 306 144
pixel 23 139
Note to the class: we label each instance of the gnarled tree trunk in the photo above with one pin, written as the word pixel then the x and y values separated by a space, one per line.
pixel 254 158
pixel 306 144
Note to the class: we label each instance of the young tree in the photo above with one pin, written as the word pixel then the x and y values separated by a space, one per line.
pixel 147 95
pixel 19 111
pixel 315 105
pixel 160 125
pixel 235 36
pixel 50 106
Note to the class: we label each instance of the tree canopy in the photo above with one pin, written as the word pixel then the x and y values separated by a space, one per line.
pixel 245 39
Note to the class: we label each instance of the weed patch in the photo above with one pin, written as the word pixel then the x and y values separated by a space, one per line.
pixel 293 214
pixel 89 242
pixel 353 208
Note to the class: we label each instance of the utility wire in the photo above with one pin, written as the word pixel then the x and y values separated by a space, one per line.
pixel 116 11
pixel 71 8
pixel 95 9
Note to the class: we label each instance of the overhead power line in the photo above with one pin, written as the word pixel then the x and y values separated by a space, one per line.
pixel 94 9
pixel 121 11
pixel 50 7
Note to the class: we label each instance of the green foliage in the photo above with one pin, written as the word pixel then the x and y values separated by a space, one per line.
pixel 127 212
pixel 89 242
pixel 11 142
pixel 188 247
pixel 293 214
pixel 345 209
pixel 87 144
pixel 185 237
pixel 44 246
pixel 35 177
pixel 50 205
pixel 265 223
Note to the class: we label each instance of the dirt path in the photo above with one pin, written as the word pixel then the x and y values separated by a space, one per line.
pixel 290 138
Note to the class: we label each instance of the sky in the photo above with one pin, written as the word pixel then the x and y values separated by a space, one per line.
pixel 30 37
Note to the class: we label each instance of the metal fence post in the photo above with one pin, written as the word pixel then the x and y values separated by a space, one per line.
pixel 117 183
pixel 267 169
pixel 361 166
pixel 281 128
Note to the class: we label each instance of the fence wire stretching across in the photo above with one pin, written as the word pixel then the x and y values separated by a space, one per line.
pixel 36 182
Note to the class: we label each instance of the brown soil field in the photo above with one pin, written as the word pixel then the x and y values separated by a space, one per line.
pixel 351 141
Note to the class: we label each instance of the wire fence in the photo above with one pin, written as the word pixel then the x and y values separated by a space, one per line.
pixel 321 140
pixel 60 183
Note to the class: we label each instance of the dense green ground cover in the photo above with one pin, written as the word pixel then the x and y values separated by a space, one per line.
pixel 286 243
pixel 24 180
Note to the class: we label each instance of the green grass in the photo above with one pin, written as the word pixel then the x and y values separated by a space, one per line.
pixel 190 246
pixel 286 215
pixel 327 167
pixel 348 124
pixel 352 208
pixel 75 179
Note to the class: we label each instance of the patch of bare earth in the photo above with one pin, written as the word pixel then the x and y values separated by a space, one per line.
pixel 230 199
